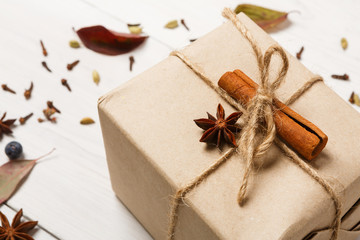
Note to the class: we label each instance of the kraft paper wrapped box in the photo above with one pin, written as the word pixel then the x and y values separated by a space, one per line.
pixel 153 149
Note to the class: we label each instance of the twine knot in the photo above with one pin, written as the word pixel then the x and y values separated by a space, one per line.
pixel 264 95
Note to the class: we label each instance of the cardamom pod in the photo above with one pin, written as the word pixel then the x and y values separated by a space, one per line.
pixel 135 29
pixel 74 44
pixel 344 43
pixel 172 24
pixel 96 77
pixel 86 121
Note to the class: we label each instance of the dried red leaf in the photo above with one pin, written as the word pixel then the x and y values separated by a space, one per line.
pixel 102 40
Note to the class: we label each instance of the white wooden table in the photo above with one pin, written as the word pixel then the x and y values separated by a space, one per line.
pixel 69 193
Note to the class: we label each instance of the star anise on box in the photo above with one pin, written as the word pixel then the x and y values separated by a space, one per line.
pixel 18 230
pixel 221 128
pixel 5 125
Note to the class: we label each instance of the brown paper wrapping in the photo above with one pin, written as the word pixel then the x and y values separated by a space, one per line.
pixel 152 147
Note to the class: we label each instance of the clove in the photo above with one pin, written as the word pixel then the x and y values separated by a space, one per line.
pixel 49 111
pixel 351 99
pixel 51 105
pixel 70 66
pixel 45 66
pixel 43 48
pixel 184 24
pixel 298 55
pixel 23 120
pixel 132 60
pixel 6 88
pixel 65 83
pixel 341 77
pixel 27 92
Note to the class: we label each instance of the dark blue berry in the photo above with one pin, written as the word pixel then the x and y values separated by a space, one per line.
pixel 13 150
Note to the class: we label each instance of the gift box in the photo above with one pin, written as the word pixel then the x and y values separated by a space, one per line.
pixel 153 149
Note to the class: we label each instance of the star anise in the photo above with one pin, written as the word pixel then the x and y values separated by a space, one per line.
pixel 5 125
pixel 18 230
pixel 221 128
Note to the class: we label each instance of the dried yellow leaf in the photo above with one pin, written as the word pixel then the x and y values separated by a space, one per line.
pixel 264 17
pixel 96 77
pixel 172 24
pixel 344 43
pixel 135 29
pixel 86 121
pixel 356 99
pixel 74 44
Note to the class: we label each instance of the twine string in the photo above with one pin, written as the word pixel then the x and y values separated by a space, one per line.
pixel 258 119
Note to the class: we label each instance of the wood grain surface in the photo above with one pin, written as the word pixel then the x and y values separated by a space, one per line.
pixel 69 193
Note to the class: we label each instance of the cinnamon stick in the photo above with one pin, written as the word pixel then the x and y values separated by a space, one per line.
pixel 300 134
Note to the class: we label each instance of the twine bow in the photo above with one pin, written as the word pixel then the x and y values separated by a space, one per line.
pixel 260 110
pixel 258 118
